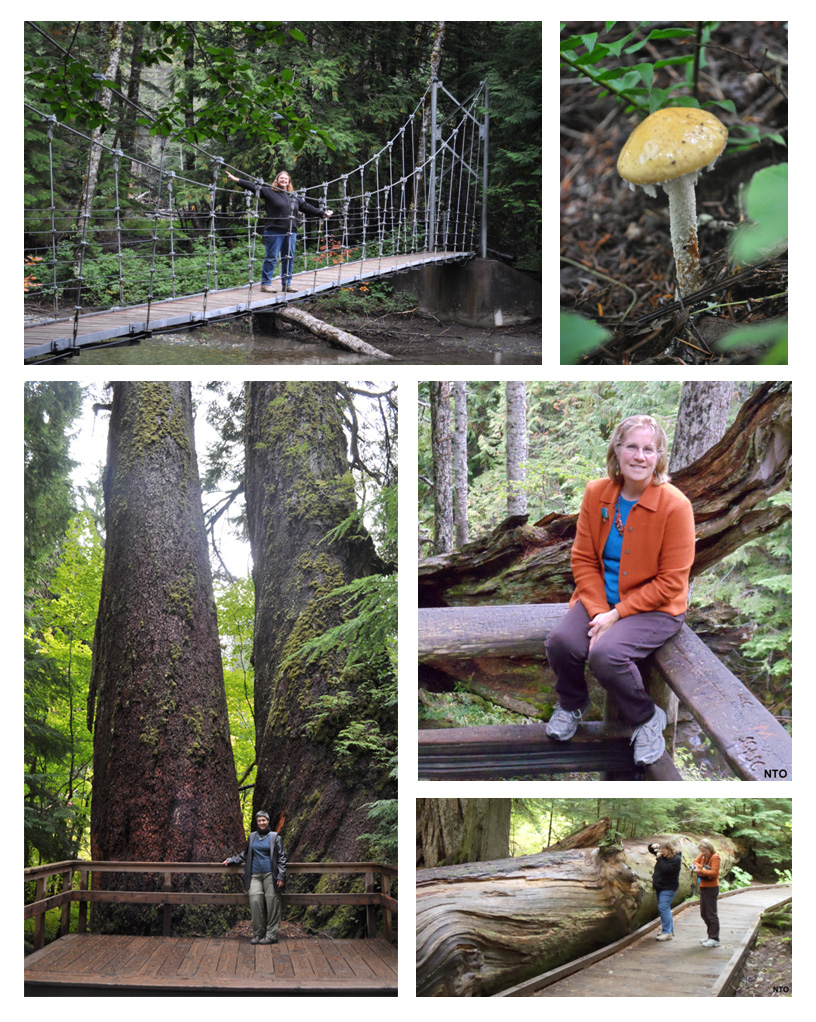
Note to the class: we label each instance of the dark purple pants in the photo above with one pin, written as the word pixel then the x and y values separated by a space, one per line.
pixel 708 910
pixel 612 660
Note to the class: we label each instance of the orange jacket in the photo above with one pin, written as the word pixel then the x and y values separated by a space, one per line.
pixel 657 554
pixel 709 870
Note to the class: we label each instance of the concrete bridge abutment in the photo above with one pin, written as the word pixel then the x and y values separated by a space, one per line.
pixel 480 292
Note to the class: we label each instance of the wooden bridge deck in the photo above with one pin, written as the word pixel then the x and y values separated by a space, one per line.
pixel 681 967
pixel 127 325
pixel 88 964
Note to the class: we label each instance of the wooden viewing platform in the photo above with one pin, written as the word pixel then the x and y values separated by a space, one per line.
pixel 87 964
pixel 640 966
pixel 55 339
pixel 752 741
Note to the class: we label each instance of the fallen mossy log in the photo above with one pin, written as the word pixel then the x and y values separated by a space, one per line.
pixel 484 926
pixel 521 562
pixel 334 335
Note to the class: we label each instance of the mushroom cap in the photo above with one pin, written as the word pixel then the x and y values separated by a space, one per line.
pixel 670 143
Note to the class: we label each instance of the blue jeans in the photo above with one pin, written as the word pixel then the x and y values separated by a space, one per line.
pixel 282 245
pixel 664 901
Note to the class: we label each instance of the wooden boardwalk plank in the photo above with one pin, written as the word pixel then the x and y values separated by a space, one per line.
pixel 99 962
pixel 676 968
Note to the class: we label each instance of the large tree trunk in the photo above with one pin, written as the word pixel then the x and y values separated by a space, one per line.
pixel 164 776
pixel 299 488
pixel 114 54
pixel 516 443
pixel 484 927
pixel 460 463
pixel 442 465
pixel 455 830
pixel 701 420
pixel 523 563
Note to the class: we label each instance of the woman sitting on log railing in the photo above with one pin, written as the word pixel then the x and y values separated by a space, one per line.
pixel 633 551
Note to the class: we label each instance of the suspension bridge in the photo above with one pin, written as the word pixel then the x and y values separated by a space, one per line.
pixel 129 262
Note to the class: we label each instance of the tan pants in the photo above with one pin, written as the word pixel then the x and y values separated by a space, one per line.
pixel 265 906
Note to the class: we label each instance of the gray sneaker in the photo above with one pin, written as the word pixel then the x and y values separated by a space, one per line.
pixel 564 723
pixel 711 943
pixel 648 738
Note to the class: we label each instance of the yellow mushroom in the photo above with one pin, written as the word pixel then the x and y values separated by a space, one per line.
pixel 670 148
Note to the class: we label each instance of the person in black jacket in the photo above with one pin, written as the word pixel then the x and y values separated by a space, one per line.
pixel 264 862
pixel 280 226
pixel 666 881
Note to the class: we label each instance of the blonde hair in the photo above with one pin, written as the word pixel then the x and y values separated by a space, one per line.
pixel 289 187
pixel 660 441
pixel 670 845
pixel 705 843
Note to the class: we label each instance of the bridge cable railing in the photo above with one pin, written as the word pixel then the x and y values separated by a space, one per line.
pixel 416 194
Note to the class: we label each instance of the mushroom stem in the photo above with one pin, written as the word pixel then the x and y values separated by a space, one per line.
pixel 683 217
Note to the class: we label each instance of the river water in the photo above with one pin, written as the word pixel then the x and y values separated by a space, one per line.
pixel 424 342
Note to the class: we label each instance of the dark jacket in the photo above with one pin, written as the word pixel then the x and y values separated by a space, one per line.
pixel 278 857
pixel 666 876
pixel 282 208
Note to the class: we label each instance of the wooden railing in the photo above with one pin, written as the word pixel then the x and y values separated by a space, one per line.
pixel 167 897
pixel 753 742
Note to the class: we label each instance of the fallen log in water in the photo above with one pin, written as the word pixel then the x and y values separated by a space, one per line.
pixel 483 926
pixel 334 335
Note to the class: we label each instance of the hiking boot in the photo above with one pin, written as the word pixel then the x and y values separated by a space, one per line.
pixel 564 723
pixel 292 289
pixel 711 943
pixel 268 288
pixel 255 940
pixel 267 940
pixel 665 936
pixel 648 739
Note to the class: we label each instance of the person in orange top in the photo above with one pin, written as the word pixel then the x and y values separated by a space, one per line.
pixel 633 551
pixel 706 869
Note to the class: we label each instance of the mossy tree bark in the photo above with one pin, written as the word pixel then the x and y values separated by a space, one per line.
pixel 164 777
pixel 321 738
pixel 455 830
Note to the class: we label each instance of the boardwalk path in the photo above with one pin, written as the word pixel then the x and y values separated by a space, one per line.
pixel 675 968
pixel 94 963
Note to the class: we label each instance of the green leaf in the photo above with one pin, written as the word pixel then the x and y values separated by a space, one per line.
pixel 671 33
pixel 609 25
pixel 295 33
pixel 579 336
pixel 589 41
pixel 572 43
pixel 773 335
pixel 646 72
pixel 767 205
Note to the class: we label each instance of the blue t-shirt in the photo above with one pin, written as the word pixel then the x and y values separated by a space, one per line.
pixel 612 552
pixel 262 854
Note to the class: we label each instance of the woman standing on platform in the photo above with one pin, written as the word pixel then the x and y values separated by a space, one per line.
pixel 280 227
pixel 706 869
pixel 633 551
pixel 666 882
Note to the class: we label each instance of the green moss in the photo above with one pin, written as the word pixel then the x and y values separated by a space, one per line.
pixel 181 594
pixel 157 416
